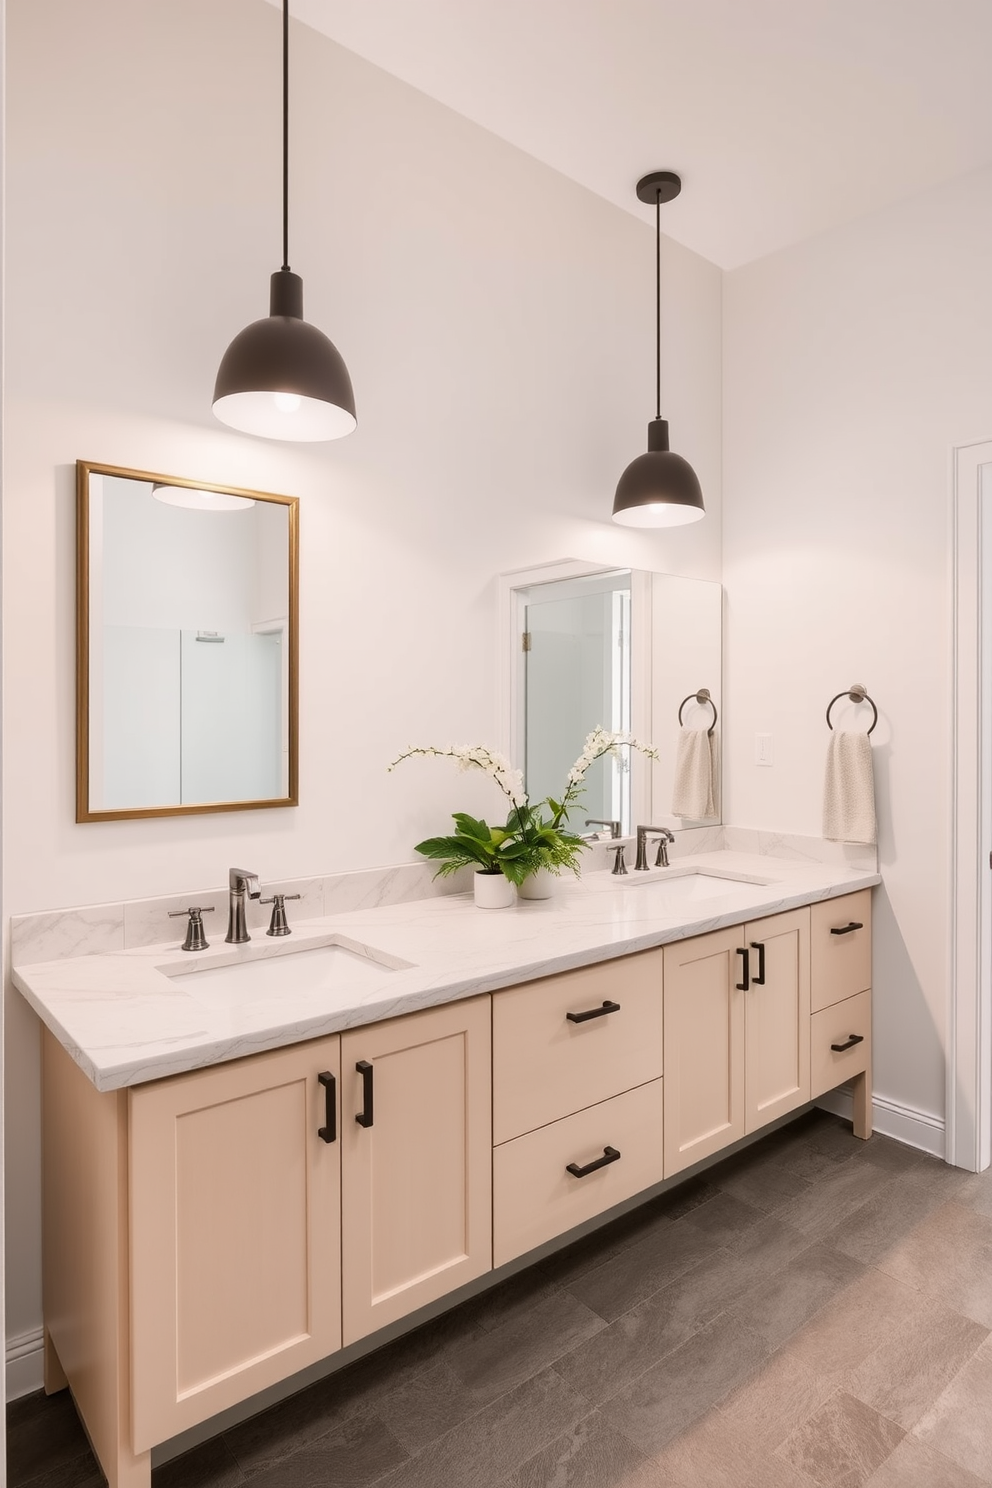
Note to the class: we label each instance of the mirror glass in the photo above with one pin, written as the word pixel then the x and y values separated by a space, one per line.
pixel 576 677
pixel 186 654
pixel 621 649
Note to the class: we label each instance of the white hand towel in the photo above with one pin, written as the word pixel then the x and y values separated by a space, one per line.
pixel 693 793
pixel 849 789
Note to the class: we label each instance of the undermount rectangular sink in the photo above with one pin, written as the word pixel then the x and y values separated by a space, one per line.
pixel 307 972
pixel 692 885
pixel 681 887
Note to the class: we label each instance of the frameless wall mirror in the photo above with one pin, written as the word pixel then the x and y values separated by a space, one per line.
pixel 186 646
pixel 623 649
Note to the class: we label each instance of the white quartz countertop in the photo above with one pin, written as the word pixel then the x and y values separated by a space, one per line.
pixel 125 1018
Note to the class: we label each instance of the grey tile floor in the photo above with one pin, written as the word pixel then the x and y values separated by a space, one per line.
pixel 814 1311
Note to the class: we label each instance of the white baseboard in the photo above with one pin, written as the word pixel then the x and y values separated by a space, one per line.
pixel 25 1363
pixel 892 1119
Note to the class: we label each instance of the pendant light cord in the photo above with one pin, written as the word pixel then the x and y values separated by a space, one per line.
pixel 657 282
pixel 285 134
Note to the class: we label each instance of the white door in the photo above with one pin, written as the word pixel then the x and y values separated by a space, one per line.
pixel 969 1059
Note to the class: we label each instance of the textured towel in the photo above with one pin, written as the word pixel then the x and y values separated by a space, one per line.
pixel 849 789
pixel 693 793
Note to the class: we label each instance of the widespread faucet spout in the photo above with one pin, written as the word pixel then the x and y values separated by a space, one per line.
pixel 243 885
pixel 664 837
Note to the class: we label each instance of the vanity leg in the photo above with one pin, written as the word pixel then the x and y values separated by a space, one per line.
pixel 55 1379
pixel 862 1106
pixel 129 1470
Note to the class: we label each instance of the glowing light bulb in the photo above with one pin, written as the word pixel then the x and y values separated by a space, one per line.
pixel 288 402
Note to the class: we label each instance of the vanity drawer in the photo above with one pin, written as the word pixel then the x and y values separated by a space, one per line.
pixel 841 957
pixel 839 1024
pixel 535 1198
pixel 547 1065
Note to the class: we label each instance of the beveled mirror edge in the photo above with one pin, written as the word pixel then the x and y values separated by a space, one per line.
pixel 86 468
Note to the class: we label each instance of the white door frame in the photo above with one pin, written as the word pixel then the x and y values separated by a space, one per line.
pixel 969 1031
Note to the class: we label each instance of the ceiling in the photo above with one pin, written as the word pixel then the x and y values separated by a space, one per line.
pixel 783 117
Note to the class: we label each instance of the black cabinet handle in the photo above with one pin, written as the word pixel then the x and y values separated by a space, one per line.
pixel 846 929
pixel 610 1155
pixel 364 1117
pixel 855 1038
pixel 329 1131
pixel 759 980
pixel 600 1012
pixel 745 971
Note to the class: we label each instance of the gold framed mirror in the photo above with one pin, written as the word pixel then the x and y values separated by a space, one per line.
pixel 187 645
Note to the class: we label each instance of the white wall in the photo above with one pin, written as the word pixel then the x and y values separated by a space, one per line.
pixel 497 321
pixel 853 363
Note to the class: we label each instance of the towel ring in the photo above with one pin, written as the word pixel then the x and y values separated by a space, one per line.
pixel 702 696
pixel 857 694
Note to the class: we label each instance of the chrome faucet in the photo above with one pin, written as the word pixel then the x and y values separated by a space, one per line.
pixel 243 885
pixel 664 837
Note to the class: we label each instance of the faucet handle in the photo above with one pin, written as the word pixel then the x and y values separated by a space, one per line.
pixel 619 866
pixel 195 938
pixel 277 924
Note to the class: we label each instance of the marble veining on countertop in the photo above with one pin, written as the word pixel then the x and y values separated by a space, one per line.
pixel 124 1020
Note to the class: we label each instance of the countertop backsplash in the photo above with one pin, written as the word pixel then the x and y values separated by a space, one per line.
pixel 102 929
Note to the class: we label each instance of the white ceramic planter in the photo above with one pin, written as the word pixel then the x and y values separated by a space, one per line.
pixel 493 891
pixel 539 885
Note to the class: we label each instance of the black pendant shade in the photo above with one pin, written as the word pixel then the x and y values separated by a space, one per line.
pixel 658 489
pixel 282 378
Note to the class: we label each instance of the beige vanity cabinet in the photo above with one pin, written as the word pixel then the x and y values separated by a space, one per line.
pixel 577 1098
pixel 737 1051
pixel 209 1234
pixel 416 1152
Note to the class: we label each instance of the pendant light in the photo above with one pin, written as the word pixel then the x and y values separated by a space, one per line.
pixel 658 489
pixel 280 377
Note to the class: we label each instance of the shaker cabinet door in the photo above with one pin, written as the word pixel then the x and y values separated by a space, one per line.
pixel 776 1074
pixel 416 1140
pixel 704 1047
pixel 235 1232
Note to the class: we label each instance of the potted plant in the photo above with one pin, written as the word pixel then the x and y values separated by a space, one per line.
pixel 534 843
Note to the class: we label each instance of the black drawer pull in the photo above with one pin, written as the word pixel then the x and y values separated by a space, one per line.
pixel 746 969
pixel 610 1154
pixel 329 1131
pixel 759 980
pixel 854 1038
pixel 600 1012
pixel 846 929
pixel 364 1117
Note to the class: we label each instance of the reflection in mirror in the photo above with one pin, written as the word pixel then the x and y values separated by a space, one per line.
pixel 576 664
pixel 616 648
pixel 186 615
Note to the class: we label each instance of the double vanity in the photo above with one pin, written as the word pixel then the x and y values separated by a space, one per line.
pixel 258 1155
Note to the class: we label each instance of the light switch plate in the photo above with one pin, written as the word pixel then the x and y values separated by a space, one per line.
pixel 763 751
